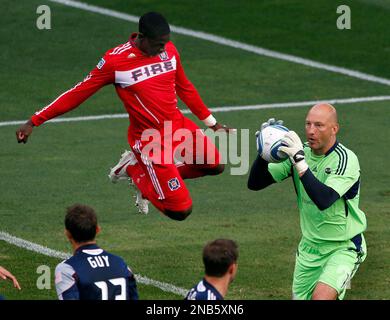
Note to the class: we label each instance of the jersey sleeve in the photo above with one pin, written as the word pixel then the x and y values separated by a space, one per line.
pixel 100 76
pixel 188 93
pixel 346 174
pixel 65 282
pixel 281 170
pixel 191 295
pixel 132 286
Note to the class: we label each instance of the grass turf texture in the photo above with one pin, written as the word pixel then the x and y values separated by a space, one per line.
pixel 67 163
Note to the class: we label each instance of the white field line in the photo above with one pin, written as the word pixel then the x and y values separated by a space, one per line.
pixel 21 243
pixel 216 39
pixel 230 43
pixel 218 109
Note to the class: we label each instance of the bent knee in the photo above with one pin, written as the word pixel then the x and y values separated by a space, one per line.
pixel 178 215
pixel 220 168
pixel 253 187
pixel 323 291
pixel 216 170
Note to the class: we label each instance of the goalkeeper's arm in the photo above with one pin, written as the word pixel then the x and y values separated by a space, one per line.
pixel 322 195
pixel 259 177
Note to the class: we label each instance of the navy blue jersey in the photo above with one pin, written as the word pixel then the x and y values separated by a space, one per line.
pixel 203 291
pixel 94 274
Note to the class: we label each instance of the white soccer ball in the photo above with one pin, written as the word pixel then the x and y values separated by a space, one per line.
pixel 269 141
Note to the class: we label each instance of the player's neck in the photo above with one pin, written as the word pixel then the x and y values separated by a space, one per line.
pixel 221 284
pixel 137 43
pixel 77 245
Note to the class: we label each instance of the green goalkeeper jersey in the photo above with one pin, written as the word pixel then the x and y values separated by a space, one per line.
pixel 340 170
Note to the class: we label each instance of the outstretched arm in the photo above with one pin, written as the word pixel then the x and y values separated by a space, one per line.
pixel 99 77
pixel 5 274
pixel 190 96
pixel 24 131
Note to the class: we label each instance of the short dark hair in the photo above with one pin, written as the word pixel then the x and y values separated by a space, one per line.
pixel 81 222
pixel 153 25
pixel 218 256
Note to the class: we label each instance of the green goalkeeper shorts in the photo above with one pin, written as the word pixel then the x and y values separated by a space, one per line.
pixel 331 263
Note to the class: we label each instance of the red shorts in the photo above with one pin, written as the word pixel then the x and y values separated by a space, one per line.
pixel 164 155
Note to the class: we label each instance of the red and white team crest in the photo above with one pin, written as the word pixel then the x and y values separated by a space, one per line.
pixel 163 56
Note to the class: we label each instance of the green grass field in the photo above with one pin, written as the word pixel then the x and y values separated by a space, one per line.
pixel 65 163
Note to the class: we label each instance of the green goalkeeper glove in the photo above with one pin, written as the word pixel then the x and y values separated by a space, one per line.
pixel 293 147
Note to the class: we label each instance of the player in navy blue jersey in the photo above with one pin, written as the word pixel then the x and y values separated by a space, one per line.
pixel 91 273
pixel 220 262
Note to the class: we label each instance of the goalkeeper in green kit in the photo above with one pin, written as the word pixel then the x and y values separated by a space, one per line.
pixel 326 177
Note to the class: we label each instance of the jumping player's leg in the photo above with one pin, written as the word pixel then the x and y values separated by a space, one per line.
pixel 192 171
pixel 161 184
pixel 204 156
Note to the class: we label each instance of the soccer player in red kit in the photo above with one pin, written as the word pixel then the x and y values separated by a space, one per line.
pixel 147 74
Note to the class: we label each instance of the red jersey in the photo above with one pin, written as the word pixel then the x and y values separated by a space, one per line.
pixel 146 85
